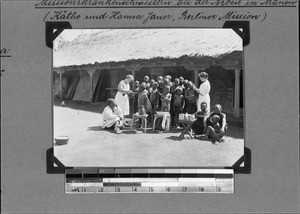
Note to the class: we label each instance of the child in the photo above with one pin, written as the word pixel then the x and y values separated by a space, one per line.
pixel 216 132
pixel 198 125
pixel 135 95
pixel 167 82
pixel 146 80
pixel 151 82
pixel 160 81
pixel 185 84
pixel 154 99
pixel 165 105
pixel 136 84
pixel 169 77
pixel 175 85
pixel 142 100
pixel 191 98
pixel 178 104
pixel 181 80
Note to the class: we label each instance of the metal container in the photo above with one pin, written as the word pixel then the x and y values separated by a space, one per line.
pixel 61 140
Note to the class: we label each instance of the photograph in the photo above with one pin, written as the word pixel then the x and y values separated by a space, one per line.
pixel 155 97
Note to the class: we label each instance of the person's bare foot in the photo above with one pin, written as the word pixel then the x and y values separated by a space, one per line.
pixel 117 130
pixel 222 140
pixel 214 142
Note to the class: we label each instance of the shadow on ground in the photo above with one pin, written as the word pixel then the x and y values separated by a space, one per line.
pixel 175 138
pixel 95 128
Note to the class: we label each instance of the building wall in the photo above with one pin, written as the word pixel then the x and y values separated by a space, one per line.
pixel 222 87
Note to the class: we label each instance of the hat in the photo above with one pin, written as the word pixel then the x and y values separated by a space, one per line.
pixel 130 77
pixel 203 74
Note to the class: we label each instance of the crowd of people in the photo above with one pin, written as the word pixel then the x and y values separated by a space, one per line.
pixel 172 97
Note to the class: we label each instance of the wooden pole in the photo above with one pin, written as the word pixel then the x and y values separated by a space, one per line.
pixel 91 73
pixel 237 93
pixel 60 85
pixel 196 72
pixel 132 97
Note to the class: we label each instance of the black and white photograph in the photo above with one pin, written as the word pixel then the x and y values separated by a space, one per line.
pixel 149 106
pixel 148 97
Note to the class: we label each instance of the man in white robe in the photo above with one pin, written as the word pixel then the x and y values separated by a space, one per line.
pixel 113 117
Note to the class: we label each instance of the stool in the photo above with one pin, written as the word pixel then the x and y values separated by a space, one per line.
pixel 187 128
pixel 144 120
pixel 161 115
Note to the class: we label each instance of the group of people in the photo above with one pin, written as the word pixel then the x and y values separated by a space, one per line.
pixel 173 98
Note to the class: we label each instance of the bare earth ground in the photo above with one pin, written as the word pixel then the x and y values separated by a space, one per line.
pixel 91 146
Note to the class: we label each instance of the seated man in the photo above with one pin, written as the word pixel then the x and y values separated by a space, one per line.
pixel 216 125
pixel 113 117
pixel 198 125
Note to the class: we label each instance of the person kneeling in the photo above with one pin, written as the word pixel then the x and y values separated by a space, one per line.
pixel 113 117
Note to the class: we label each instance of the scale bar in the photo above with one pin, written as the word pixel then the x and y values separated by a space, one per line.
pixel 209 181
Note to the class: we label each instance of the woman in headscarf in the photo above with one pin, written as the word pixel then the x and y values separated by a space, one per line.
pixel 122 99
pixel 203 91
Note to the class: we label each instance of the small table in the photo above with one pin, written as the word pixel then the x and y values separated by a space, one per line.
pixel 187 128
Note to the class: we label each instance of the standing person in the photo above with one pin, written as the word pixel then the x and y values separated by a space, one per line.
pixel 135 95
pixel 181 80
pixel 190 99
pixel 175 85
pixel 173 88
pixel 151 82
pixel 165 105
pixel 122 98
pixel 178 104
pixel 146 80
pixel 154 99
pixel 142 101
pixel 113 117
pixel 161 84
pixel 160 79
pixel 203 91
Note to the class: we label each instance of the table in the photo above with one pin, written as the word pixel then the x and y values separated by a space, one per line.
pixel 187 128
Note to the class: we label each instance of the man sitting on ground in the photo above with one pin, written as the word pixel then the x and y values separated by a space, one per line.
pixel 216 125
pixel 113 117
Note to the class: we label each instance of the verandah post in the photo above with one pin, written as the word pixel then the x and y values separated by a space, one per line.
pixel 237 93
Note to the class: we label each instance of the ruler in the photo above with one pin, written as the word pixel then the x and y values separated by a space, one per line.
pixel 205 181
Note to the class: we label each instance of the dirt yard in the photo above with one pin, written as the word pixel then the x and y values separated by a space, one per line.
pixel 91 146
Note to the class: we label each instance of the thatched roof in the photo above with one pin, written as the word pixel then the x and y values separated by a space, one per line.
pixel 121 45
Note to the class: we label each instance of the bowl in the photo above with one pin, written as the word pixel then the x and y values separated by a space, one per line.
pixel 61 140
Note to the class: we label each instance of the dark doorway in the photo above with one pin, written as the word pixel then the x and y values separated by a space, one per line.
pixel 100 93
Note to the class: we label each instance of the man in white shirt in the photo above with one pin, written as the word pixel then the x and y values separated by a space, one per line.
pixel 113 117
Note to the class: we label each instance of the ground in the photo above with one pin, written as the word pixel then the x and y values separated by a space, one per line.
pixel 91 146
